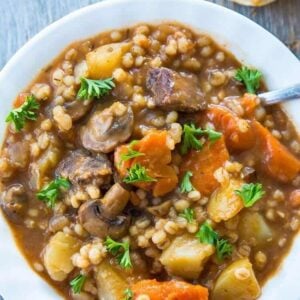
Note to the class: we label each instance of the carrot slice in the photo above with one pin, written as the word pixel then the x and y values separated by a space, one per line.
pixel 237 132
pixel 276 160
pixel 169 290
pixel 204 163
pixel 249 103
pixel 20 99
pixel 156 159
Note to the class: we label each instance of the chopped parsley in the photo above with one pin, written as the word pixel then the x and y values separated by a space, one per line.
pixel 51 191
pixel 128 294
pixel 186 185
pixel 191 134
pixel 250 193
pixel 77 283
pixel 207 235
pixel 131 153
pixel 189 214
pixel 250 78
pixel 137 173
pixel 91 88
pixel 120 251
pixel 190 138
pixel 27 111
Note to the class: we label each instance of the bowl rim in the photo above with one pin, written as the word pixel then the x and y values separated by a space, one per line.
pixel 50 29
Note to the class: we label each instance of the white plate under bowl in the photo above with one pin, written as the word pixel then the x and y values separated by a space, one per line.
pixel 248 41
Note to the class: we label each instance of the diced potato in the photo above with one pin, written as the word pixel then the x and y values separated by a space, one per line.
pixel 224 204
pixel 237 282
pixel 105 59
pixel 110 282
pixel 186 256
pixel 253 225
pixel 43 166
pixel 57 255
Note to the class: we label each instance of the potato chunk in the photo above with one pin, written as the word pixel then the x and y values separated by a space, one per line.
pixel 105 59
pixel 237 282
pixel 224 204
pixel 111 284
pixel 57 255
pixel 253 225
pixel 186 256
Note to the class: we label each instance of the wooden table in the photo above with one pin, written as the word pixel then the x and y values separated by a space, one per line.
pixel 21 19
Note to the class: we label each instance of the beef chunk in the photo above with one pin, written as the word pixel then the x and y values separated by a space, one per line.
pixel 107 129
pixel 14 202
pixel 82 169
pixel 174 91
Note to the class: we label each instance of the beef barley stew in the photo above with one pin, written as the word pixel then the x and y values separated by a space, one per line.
pixel 141 165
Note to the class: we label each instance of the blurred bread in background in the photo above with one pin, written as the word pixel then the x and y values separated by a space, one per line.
pixel 254 2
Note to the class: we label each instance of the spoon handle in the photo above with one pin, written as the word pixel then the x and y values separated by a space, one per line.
pixel 282 95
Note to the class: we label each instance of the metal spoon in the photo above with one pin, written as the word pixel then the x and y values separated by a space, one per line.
pixel 282 95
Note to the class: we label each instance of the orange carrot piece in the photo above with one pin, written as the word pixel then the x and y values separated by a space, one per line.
pixel 20 99
pixel 156 160
pixel 169 290
pixel 276 160
pixel 294 198
pixel 237 132
pixel 203 164
pixel 249 102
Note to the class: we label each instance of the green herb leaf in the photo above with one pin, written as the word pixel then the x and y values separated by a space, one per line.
pixel 131 152
pixel 186 185
pixel 189 214
pixel 128 293
pixel 223 248
pixel 250 193
pixel 91 88
pixel 77 283
pixel 27 111
pixel 212 134
pixel 120 250
pixel 250 78
pixel 50 192
pixel 190 138
pixel 207 235
pixel 137 173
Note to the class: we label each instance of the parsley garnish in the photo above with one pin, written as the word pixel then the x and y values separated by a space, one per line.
pixel 189 214
pixel 207 235
pixel 137 173
pixel 190 137
pixel 128 293
pixel 186 185
pixel 190 140
pixel 77 283
pixel 91 88
pixel 212 134
pixel 120 250
pixel 250 78
pixel 131 152
pixel 250 193
pixel 50 192
pixel 27 111
pixel 224 249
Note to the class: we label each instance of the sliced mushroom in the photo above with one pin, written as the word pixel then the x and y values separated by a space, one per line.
pixel 102 217
pixel 115 200
pixel 14 202
pixel 77 109
pixel 161 209
pixel 82 169
pixel 107 129
pixel 91 216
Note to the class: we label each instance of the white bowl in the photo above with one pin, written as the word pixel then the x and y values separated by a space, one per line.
pixel 248 41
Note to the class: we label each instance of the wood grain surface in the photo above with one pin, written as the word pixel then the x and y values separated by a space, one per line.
pixel 22 19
